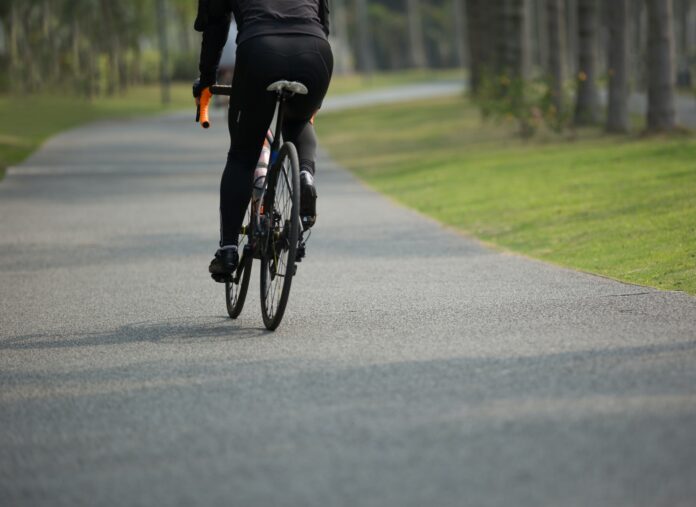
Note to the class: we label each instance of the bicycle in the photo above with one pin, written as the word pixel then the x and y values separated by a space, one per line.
pixel 272 232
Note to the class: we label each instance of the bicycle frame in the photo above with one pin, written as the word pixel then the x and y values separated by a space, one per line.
pixel 260 228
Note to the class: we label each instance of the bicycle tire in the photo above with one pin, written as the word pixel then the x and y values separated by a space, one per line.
pixel 235 293
pixel 279 248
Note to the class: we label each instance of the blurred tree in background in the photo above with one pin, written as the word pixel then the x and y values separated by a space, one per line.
pixel 92 47
pixel 536 58
pixel 622 46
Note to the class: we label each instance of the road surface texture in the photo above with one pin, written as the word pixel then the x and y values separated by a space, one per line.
pixel 414 367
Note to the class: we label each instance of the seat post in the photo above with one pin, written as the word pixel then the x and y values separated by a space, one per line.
pixel 279 124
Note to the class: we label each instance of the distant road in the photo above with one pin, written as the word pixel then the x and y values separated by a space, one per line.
pixel 393 95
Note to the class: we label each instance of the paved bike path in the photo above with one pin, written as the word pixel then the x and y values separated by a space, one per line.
pixel 414 366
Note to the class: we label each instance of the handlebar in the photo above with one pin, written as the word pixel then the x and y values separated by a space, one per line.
pixel 203 102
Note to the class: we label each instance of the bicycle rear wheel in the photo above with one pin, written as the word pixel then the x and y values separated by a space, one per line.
pixel 282 222
pixel 237 285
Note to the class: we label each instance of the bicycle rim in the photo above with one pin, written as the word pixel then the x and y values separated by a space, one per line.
pixel 236 288
pixel 280 243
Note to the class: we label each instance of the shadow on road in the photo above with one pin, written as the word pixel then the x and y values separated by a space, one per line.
pixel 181 330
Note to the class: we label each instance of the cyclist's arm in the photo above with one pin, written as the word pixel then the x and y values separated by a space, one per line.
pixel 213 20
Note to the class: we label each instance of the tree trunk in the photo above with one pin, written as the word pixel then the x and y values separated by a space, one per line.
pixel 572 36
pixel 497 31
pixel 539 32
pixel 475 32
pixel 50 63
pixel 661 114
pixel 164 51
pixel 556 29
pixel 76 45
pixel 617 115
pixel 587 102
pixel 683 17
pixel 366 58
pixel 512 43
pixel 93 76
pixel 638 42
pixel 459 32
pixel 46 20
pixel 13 39
pixel 340 33
pixel 415 34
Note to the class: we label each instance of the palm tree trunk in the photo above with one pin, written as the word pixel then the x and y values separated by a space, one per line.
pixel 366 58
pixel 638 43
pixel 475 31
pixel 499 35
pixel 459 32
pixel 14 40
pixel 76 63
pixel 661 113
pixel 683 16
pixel 617 115
pixel 512 41
pixel 164 51
pixel 340 32
pixel 415 33
pixel 556 29
pixel 587 101
pixel 571 23
pixel 539 32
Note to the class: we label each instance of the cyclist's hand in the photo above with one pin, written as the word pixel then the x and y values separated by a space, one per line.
pixel 198 88
pixel 202 94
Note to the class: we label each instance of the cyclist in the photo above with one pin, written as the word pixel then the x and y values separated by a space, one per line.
pixel 277 39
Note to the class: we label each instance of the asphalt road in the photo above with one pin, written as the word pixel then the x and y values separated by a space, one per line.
pixel 414 366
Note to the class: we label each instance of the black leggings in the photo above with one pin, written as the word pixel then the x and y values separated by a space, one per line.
pixel 261 61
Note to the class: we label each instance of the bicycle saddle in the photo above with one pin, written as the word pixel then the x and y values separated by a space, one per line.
pixel 291 86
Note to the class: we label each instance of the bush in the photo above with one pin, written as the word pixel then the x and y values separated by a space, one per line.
pixel 529 102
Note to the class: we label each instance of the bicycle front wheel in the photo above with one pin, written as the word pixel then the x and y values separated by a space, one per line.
pixel 237 285
pixel 282 229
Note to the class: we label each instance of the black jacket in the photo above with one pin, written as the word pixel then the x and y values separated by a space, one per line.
pixel 254 18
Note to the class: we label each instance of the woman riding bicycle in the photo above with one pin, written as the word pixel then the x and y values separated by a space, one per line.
pixel 277 39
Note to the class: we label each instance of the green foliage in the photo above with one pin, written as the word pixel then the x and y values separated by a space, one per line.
pixel 621 207
pixel 184 66
pixel 391 38
pixel 389 24
pixel 87 47
pixel 528 102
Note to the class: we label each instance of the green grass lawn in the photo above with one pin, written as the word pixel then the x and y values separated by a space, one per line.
pixel 27 121
pixel 624 207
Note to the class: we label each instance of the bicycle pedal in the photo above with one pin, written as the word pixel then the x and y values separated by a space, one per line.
pixel 221 278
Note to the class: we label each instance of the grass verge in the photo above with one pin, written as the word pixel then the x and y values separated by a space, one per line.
pixel 617 206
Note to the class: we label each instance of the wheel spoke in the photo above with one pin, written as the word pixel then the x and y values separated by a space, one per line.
pixel 282 232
